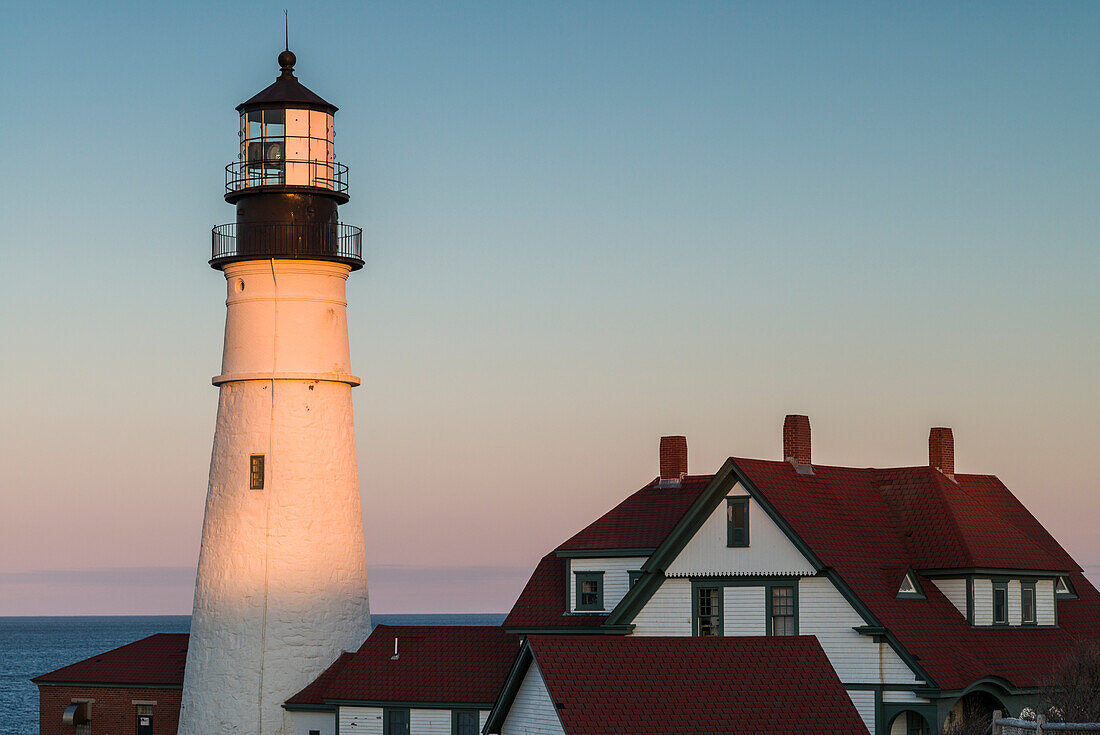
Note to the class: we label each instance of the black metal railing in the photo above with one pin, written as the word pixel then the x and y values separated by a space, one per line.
pixel 329 175
pixel 315 241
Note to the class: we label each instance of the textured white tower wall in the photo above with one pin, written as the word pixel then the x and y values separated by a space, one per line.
pixel 282 581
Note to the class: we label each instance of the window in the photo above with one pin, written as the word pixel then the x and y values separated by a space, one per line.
pixel 1027 603
pixel 465 722
pixel 910 588
pixel 635 575
pixel 395 721
pixel 781 613
pixel 1000 603
pixel 737 521
pixel 256 471
pixel 708 611
pixel 589 591
pixel 915 724
pixel 314 732
pixel 1063 588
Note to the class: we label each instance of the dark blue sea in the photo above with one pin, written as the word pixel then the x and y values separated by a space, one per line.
pixel 33 646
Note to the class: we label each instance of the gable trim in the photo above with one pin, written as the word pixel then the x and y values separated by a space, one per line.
pixel 510 689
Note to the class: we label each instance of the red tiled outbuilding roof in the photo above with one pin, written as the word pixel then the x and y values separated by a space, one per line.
pixel 870 526
pixel 314 692
pixel 608 685
pixel 459 664
pixel 154 661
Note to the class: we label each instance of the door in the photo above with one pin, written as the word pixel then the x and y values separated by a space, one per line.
pixel 145 725
pixel 395 721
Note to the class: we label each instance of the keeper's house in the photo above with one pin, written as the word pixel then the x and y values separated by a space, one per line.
pixel 929 591
pixel 771 596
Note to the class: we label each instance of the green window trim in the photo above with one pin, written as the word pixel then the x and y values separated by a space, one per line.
pixel 460 722
pixel 1002 588
pixel 737 522
pixel 770 601
pixel 635 575
pixel 583 589
pixel 1026 588
pixel 716 602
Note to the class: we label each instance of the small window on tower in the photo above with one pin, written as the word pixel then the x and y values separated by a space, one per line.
pixel 256 471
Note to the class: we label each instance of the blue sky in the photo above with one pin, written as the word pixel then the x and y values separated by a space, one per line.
pixel 587 225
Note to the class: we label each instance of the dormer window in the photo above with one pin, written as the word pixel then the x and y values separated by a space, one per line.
pixel 1027 603
pixel 589 591
pixel 1000 603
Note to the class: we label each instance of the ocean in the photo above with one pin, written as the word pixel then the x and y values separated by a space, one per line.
pixel 33 646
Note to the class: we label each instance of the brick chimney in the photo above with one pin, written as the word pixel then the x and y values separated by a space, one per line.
pixel 796 439
pixel 674 458
pixel 941 450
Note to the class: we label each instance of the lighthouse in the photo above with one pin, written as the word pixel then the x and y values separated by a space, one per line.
pixel 281 588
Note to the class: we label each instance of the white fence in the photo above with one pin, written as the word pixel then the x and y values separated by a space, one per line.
pixel 1013 726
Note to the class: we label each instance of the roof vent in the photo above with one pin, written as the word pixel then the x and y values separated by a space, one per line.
pixel 941 450
pixel 674 460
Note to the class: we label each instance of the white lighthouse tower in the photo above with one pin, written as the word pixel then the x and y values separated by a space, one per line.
pixel 282 581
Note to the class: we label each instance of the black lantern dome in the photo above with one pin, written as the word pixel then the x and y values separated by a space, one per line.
pixel 286 183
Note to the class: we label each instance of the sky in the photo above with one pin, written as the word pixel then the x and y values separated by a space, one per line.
pixel 586 225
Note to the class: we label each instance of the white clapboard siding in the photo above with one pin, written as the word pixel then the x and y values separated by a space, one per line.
pixel 823 612
pixel 532 712
pixel 1015 604
pixel 908 697
pixel 616 577
pixel 865 704
pixel 1044 602
pixel 668 612
pixel 983 602
pixel 743 611
pixel 769 550
pixel 955 591
pixel 430 721
pixel 322 722
pixel 361 720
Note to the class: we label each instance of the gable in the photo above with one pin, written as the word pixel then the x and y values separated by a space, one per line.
pixel 532 712
pixel 769 551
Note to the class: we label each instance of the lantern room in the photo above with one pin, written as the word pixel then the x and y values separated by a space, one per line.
pixel 286 139
pixel 286 184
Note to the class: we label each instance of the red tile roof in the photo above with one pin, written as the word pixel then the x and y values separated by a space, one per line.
pixel 642 520
pixel 871 525
pixel 608 685
pixel 544 600
pixel 314 693
pixel 154 661
pixel 453 664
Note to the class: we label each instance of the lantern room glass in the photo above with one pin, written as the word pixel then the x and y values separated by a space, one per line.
pixel 288 146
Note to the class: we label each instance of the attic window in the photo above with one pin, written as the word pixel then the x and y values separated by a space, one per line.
pixel 1063 588
pixel 910 588
pixel 737 522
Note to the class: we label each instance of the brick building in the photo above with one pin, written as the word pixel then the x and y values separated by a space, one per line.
pixel 132 690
